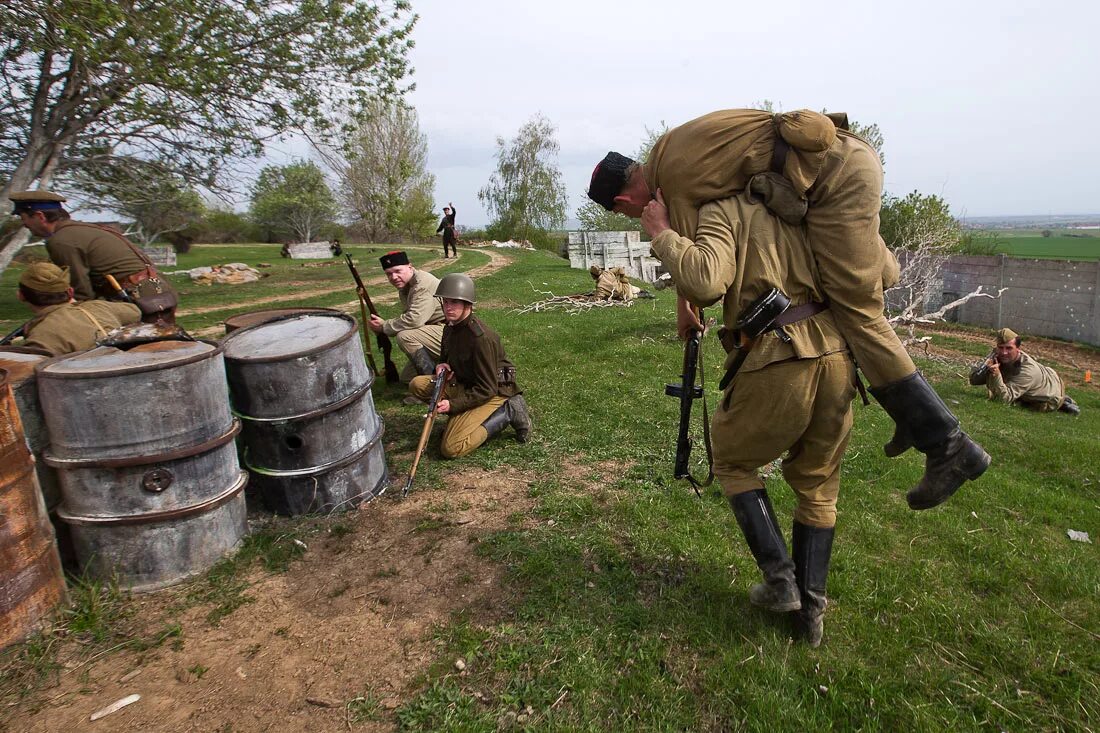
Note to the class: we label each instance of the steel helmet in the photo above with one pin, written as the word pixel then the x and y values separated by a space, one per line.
pixel 456 286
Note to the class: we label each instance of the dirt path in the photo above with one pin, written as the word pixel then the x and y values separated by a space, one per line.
pixel 497 261
pixel 352 619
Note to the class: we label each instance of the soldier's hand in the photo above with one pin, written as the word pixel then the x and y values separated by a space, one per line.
pixel 655 216
pixel 443 406
pixel 994 365
pixel 686 319
pixel 375 323
pixel 441 367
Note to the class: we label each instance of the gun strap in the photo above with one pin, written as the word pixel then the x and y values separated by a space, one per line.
pixel 701 369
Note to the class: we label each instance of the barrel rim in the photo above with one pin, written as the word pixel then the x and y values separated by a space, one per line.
pixel 291 354
pixel 155 517
pixel 350 399
pixel 324 468
pixel 120 371
pixel 300 311
pixel 144 460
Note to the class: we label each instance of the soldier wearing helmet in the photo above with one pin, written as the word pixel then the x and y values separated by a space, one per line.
pixel 481 397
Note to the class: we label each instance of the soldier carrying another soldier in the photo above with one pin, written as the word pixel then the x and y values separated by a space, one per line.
pixel 1015 378
pixel 419 328
pixel 61 325
pixel 481 396
pixel 91 252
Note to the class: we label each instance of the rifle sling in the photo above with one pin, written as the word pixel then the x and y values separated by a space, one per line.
pixel 701 369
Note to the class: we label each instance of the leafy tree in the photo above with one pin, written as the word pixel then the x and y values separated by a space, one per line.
pixel 909 220
pixel 382 167
pixel 525 196
pixel 595 218
pixel 293 200
pixel 194 82
pixel 155 199
pixel 872 134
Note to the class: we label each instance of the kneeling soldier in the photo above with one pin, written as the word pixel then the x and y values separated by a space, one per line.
pixel 482 397
pixel 61 325
pixel 419 328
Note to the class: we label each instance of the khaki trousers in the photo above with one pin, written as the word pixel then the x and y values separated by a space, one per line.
pixel 463 433
pixel 411 340
pixel 802 407
pixel 842 225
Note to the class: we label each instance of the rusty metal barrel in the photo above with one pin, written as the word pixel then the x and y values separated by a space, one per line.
pixel 20 364
pixel 252 318
pixel 31 582
pixel 143 440
pixel 311 437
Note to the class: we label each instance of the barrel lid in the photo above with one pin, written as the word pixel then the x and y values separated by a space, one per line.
pixel 288 337
pixel 19 365
pixel 244 320
pixel 156 355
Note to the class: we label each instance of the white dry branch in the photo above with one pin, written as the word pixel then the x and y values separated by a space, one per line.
pixel 569 304
pixel 924 247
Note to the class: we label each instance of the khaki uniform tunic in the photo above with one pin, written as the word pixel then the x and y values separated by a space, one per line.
pixel 420 325
pixel 787 397
pixel 715 155
pixel 613 284
pixel 475 390
pixel 69 327
pixel 90 252
pixel 1034 386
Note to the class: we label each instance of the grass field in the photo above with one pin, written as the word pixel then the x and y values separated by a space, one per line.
pixel 628 604
pixel 1058 246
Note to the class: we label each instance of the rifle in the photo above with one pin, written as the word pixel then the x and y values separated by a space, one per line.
pixel 14 334
pixel 687 391
pixel 980 371
pixel 429 420
pixel 384 343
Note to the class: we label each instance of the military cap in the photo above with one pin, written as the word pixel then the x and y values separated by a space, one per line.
pixel 608 179
pixel 46 277
pixel 594 271
pixel 393 259
pixel 39 200
pixel 1006 335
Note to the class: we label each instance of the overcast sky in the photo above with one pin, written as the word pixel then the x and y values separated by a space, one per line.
pixel 993 105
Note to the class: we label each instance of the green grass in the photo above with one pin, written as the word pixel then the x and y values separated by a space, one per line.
pixel 1058 246
pixel 631 609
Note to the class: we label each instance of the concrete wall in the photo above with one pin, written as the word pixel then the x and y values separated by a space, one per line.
pixel 310 251
pixel 1059 298
pixel 161 254
pixel 613 249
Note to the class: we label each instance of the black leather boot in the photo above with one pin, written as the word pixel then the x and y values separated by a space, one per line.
pixel 951 457
pixel 423 362
pixel 812 548
pixel 513 412
pixel 1069 406
pixel 754 515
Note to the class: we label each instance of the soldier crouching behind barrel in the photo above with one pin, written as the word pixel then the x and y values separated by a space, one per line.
pixel 60 324
pixel 481 397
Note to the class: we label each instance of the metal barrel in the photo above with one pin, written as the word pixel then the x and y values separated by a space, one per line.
pixel 244 320
pixel 31 582
pixel 302 389
pixel 143 442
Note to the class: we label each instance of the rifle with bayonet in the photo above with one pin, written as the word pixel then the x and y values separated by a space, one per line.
pixel 429 420
pixel 384 343
pixel 687 391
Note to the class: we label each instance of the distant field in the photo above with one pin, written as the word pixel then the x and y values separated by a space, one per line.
pixel 1059 246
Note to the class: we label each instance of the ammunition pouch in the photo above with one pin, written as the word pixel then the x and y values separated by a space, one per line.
pixel 148 292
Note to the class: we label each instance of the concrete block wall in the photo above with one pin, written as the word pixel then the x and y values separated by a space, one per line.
pixel 613 249
pixel 161 254
pixel 1059 298
pixel 310 251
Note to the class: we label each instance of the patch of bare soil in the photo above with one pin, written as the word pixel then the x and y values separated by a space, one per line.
pixel 353 618
pixel 496 262
pixel 1068 359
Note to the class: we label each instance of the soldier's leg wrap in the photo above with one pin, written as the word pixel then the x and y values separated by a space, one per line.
pixel 812 548
pixel 755 516
pixel 464 431
pixel 951 457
